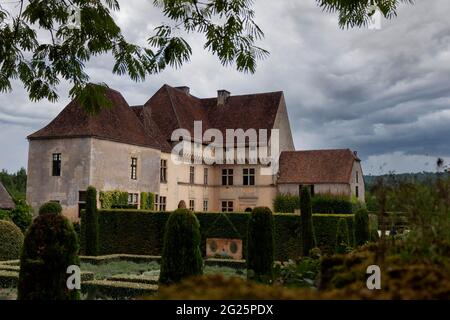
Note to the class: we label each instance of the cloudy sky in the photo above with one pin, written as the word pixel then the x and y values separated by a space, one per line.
pixel 384 93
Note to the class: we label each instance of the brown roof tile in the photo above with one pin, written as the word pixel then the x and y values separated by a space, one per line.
pixel 316 166
pixel 6 202
pixel 118 123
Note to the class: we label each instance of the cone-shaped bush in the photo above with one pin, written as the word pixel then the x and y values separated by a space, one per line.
pixel 306 221
pixel 181 256
pixel 50 247
pixel 90 219
pixel 342 236
pixel 361 227
pixel 11 240
pixel 260 245
pixel 50 208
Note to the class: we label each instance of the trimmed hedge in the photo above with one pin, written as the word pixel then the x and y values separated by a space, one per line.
pixel 11 240
pixel 90 219
pixel 141 232
pixel 50 208
pixel 321 203
pixel 147 201
pixel 117 289
pixel 181 256
pixel 308 241
pixel 260 248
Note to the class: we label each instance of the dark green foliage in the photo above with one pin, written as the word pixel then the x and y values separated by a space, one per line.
pixel 286 203
pixel 308 241
pixel 141 232
pixel 361 227
pixel 342 237
pixel 260 245
pixel 50 246
pixel 328 203
pixel 321 203
pixel 147 201
pixel 50 208
pixel 90 218
pixel 113 199
pixel 11 240
pixel 181 256
pixel 22 215
pixel 5 215
pixel 15 183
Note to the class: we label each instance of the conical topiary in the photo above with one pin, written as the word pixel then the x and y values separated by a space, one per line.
pixel 90 221
pixel 50 247
pixel 308 241
pixel 361 227
pixel 181 256
pixel 11 240
pixel 342 236
pixel 260 245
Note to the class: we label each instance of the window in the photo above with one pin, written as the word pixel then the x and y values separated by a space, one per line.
pixel 357 177
pixel 134 168
pixel 192 205
pixel 56 168
pixel 162 203
pixel 227 177
pixel 163 173
pixel 133 198
pixel 81 196
pixel 249 177
pixel 205 176
pixel 205 205
pixel 191 174
pixel 357 191
pixel 227 206
pixel 156 202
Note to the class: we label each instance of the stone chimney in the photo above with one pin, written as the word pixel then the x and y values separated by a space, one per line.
pixel 222 96
pixel 184 89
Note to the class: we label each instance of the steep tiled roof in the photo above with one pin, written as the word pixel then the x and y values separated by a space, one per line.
pixel 316 166
pixel 6 201
pixel 118 123
pixel 168 109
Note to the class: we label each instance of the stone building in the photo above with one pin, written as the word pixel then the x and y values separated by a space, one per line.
pixel 6 202
pixel 130 149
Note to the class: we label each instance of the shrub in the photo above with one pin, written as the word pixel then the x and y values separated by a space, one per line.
pixel 50 208
pixel 361 227
pixel 124 206
pixel 286 203
pixel 11 240
pixel 329 203
pixel 108 199
pixel 342 237
pixel 144 201
pixel 50 246
pixel 22 215
pixel 90 218
pixel 4 215
pixel 306 219
pixel 181 256
pixel 260 245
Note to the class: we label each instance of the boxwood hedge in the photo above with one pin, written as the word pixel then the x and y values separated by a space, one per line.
pixel 141 232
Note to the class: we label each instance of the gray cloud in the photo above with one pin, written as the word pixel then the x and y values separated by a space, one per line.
pixel 384 93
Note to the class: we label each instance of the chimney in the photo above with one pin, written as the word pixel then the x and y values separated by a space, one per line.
pixel 355 153
pixel 222 96
pixel 184 89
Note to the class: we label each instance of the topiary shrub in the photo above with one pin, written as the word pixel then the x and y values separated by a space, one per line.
pixel 260 245
pixel 90 219
pixel 22 215
pixel 361 227
pixel 181 255
pixel 342 237
pixel 286 203
pixel 50 208
pixel 11 240
pixel 50 247
pixel 144 201
pixel 308 241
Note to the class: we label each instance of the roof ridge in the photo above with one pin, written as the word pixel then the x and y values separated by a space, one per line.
pixel 246 94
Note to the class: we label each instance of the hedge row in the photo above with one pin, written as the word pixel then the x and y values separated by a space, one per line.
pixel 321 203
pixel 141 232
pixel 118 289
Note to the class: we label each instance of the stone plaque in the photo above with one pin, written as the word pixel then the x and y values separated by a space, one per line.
pixel 224 248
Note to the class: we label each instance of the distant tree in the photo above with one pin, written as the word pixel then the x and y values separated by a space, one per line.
pixel 15 183
pixel 43 42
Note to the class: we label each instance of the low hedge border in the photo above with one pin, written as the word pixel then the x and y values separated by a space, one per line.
pixel 235 264
pixel 8 279
pixel 135 279
pixel 119 257
pixel 140 232
pixel 10 262
pixel 10 268
pixel 118 289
